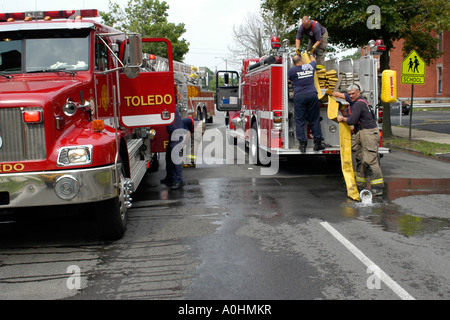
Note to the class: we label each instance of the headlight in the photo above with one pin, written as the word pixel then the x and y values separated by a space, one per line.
pixel 71 156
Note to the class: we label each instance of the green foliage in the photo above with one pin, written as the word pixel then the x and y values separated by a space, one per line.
pixel 418 22
pixel 355 55
pixel 420 146
pixel 148 18
pixel 346 22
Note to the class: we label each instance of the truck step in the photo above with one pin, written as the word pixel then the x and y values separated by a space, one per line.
pixel 138 166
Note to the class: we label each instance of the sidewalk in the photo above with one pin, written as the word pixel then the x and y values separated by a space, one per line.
pixel 421 135
pixel 424 136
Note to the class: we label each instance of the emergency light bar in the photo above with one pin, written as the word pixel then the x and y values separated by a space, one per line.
pixel 377 47
pixel 275 43
pixel 41 15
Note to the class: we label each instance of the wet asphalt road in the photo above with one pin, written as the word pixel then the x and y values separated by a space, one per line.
pixel 233 233
pixel 430 120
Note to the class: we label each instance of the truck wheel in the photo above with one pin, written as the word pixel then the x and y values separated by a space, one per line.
pixel 154 163
pixel 200 116
pixel 112 213
pixel 231 140
pixel 207 120
pixel 254 145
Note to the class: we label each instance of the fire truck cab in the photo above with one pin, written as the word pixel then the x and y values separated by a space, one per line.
pixel 77 113
pixel 259 104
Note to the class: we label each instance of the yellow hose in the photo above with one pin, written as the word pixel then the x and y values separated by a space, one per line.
pixel 306 59
pixel 345 138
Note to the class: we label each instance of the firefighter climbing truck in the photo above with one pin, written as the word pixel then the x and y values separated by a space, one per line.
pixel 194 97
pixel 259 103
pixel 77 114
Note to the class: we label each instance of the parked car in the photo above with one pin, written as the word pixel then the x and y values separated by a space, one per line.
pixel 405 107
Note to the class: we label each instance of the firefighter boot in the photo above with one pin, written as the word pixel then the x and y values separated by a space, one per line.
pixel 303 146
pixel 318 145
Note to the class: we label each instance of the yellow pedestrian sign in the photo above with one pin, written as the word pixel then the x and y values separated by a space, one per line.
pixel 413 69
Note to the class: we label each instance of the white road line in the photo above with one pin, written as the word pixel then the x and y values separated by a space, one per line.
pixel 383 276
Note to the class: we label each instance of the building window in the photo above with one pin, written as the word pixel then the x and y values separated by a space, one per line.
pixel 441 40
pixel 439 78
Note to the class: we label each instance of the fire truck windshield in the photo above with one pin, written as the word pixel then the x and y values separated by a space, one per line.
pixel 43 54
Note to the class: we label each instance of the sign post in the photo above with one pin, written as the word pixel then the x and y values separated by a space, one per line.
pixel 413 72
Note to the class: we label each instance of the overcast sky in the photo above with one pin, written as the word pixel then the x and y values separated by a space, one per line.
pixel 209 23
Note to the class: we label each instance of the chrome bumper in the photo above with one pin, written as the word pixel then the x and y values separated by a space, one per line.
pixel 38 188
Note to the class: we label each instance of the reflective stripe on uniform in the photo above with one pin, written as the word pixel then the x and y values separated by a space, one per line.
pixel 360 179
pixel 377 181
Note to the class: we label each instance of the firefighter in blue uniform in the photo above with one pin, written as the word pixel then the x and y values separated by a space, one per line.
pixel 174 172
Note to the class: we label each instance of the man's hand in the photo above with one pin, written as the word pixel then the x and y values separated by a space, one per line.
pixel 329 92
pixel 313 49
pixel 298 52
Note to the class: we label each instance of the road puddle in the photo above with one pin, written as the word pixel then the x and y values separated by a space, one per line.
pixel 410 207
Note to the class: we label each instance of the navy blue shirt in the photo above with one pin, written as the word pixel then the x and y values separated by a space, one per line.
pixel 177 124
pixel 302 78
pixel 360 113
pixel 189 124
pixel 314 32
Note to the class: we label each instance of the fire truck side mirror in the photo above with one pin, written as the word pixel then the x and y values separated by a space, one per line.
pixel 134 55
pixel 227 95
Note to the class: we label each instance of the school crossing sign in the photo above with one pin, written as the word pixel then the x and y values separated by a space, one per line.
pixel 413 69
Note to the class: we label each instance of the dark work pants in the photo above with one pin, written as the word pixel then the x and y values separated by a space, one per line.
pixel 307 106
pixel 174 171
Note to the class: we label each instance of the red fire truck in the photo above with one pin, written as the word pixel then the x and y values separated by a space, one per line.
pixel 260 108
pixel 194 98
pixel 77 113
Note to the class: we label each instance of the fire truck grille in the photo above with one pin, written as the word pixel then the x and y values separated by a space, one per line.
pixel 20 141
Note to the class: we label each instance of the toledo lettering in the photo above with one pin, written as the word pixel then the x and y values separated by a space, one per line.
pixel 150 100
pixel 12 167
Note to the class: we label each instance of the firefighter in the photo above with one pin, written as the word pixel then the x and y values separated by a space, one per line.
pixel 306 102
pixel 367 138
pixel 318 38
pixel 356 150
pixel 174 171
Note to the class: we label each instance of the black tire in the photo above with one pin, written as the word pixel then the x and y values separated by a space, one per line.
pixel 207 120
pixel 253 147
pixel 154 164
pixel 200 116
pixel 112 214
pixel 231 140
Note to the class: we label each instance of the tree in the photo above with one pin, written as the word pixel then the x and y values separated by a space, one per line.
pixel 350 23
pixel 252 37
pixel 148 18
